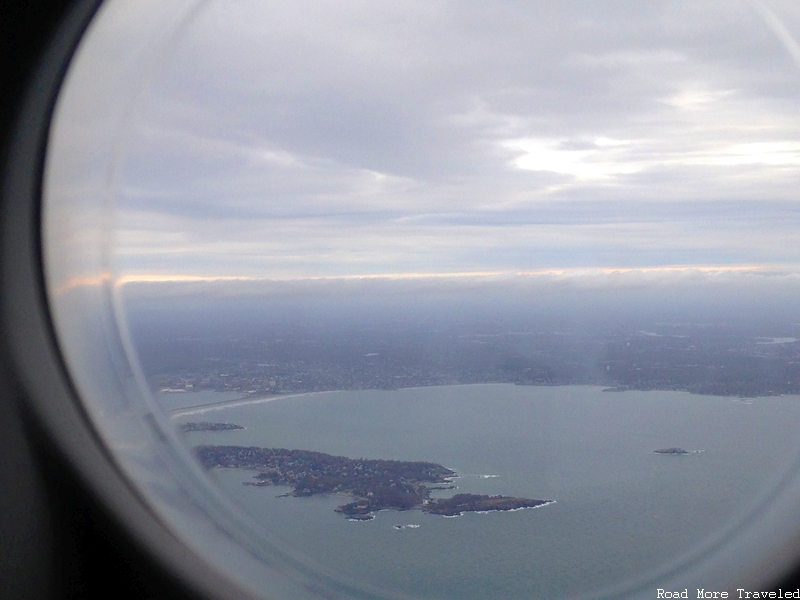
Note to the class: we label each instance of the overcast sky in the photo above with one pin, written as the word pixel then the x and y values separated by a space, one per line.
pixel 287 140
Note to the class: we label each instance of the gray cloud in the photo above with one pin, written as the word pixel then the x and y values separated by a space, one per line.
pixel 315 139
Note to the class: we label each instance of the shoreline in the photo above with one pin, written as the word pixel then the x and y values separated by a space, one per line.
pixel 260 399
pixel 244 401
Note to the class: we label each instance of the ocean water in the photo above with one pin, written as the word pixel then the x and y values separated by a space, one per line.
pixel 621 510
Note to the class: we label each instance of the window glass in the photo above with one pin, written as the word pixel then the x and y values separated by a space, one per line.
pixel 347 271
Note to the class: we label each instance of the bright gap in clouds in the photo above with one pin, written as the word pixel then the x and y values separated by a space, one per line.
pixel 756 153
pixel 599 161
pixel 604 158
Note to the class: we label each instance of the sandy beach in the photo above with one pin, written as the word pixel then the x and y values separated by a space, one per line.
pixel 214 406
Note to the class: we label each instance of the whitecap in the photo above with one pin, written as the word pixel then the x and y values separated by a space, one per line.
pixel 371 518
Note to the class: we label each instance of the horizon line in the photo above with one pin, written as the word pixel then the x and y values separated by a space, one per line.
pixel 123 280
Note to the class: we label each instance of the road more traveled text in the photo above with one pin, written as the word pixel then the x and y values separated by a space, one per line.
pixel 740 593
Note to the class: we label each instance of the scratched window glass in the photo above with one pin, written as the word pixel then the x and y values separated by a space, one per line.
pixel 475 300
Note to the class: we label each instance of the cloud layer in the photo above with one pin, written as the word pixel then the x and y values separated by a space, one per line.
pixel 313 139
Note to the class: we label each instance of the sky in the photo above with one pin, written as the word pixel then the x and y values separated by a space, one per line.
pixel 316 140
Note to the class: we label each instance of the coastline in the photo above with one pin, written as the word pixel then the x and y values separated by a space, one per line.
pixel 262 398
pixel 244 401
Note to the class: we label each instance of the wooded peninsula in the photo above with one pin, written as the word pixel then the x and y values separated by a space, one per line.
pixel 374 484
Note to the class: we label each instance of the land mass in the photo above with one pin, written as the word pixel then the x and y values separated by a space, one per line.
pixel 672 451
pixel 374 484
pixel 208 426
pixel 732 358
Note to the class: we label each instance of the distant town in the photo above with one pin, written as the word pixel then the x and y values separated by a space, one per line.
pixel 699 358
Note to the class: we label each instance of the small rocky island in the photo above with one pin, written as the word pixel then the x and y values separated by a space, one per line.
pixel 208 426
pixel 374 484
pixel 672 451
pixel 463 503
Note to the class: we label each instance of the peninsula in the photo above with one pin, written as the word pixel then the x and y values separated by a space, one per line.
pixel 374 484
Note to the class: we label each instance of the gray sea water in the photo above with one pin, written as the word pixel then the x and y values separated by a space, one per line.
pixel 621 510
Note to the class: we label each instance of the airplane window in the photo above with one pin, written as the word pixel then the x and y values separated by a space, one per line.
pixel 436 300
